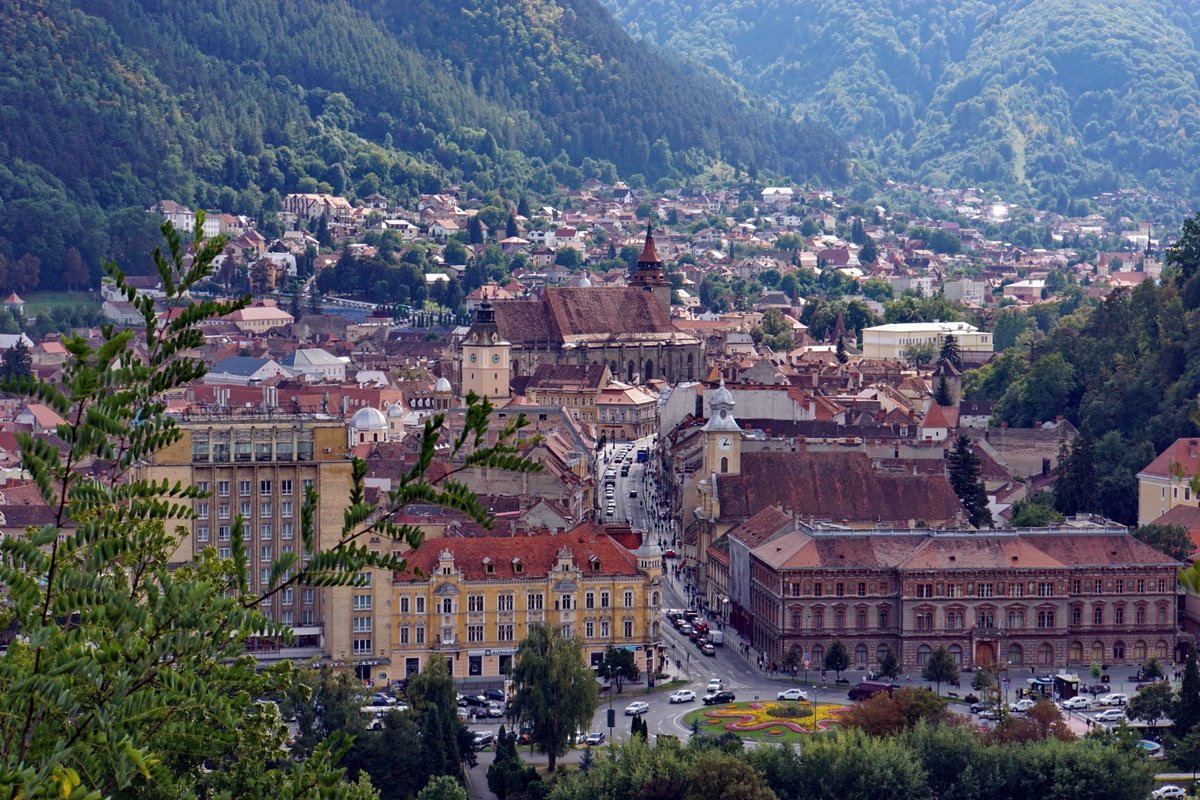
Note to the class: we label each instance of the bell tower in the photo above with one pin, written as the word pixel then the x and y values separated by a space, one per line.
pixel 650 276
pixel 722 436
pixel 486 364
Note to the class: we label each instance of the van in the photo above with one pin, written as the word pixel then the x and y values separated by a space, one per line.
pixel 717 637
pixel 868 689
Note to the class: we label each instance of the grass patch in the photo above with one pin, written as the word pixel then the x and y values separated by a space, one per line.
pixel 43 301
pixel 754 720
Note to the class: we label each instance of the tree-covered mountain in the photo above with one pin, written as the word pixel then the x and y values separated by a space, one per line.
pixel 109 105
pixel 1050 99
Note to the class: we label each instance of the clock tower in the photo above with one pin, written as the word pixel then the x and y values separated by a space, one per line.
pixel 722 436
pixel 485 366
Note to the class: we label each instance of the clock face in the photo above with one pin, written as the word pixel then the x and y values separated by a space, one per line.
pixel 473 358
pixel 495 358
pixel 724 443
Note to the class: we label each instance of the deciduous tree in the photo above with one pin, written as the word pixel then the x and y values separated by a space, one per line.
pixel 619 665
pixel 837 657
pixel 556 692
pixel 940 668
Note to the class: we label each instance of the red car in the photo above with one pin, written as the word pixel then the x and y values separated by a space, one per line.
pixel 669 554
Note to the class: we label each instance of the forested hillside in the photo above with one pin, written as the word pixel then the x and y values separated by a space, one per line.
pixel 1047 99
pixel 109 105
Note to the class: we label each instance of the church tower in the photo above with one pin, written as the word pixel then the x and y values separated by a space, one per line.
pixel 650 276
pixel 722 436
pixel 486 364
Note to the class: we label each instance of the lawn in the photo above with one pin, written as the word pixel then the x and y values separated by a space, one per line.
pixel 41 301
pixel 767 720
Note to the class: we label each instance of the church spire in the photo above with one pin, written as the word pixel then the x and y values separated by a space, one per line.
pixel 649 274
pixel 649 254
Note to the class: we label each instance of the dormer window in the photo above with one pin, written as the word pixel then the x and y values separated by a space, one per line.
pixel 595 562
pixel 518 567
pixel 489 567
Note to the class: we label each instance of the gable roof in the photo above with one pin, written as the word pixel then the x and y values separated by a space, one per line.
pixel 1183 453
pixel 835 486
pixel 245 366
pixel 597 313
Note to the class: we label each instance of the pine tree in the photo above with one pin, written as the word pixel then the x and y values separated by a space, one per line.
pixel 510 229
pixel 942 395
pixel 16 364
pixel 963 468
pixel 840 351
pixel 1187 706
pixel 950 352
pixel 837 657
pixel 1075 487
pixel 889 665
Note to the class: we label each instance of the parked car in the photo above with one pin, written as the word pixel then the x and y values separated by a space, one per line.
pixel 989 713
pixel 484 739
pixel 682 696
pixel 594 739
pixel 495 710
pixel 1114 699
pixel 381 699
pixel 494 694
pixel 635 708
pixel 718 697
pixel 1023 705
pixel 1170 790
pixel 792 694
pixel 1110 715
pixel 476 700
pixel 1077 702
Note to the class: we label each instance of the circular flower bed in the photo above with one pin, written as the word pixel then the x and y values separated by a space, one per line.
pixel 773 717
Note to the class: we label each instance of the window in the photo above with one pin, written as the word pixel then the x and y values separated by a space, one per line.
pixel 985 590
pixel 404 634
pixel 223 533
pixel 362 647
pixel 420 601
pixel 504 632
pixel 287 596
pixel 362 624
pixel 1162 614
pixel 1139 615
pixel 1016 618
pixel 956 619
pixel 285 509
pixel 924 620
pixel 985 618
pixel 1120 586
pixel 504 602
pixel 1076 615
pixel 1119 615
pixel 534 602
pixel 1046 589
pixel 420 634
pixel 305 485
pixel 1076 586
pixel 923 653
pixel 264 510
pixel 1016 589
pixel 628 599
pixel 285 530
pixel 589 629
pixel 924 590
pixel 628 628
pixel 474 633
pixel 202 534
pixel 604 599
pixel 862 589
pixel 883 617
pixel 818 619
pixel 245 531
pixel 954 590
pixel 223 511
pixel 202 510
pixel 447 605
pixel 1045 618
pixel 1162 585
pixel 308 596
pixel 1141 585
pixel 264 532
pixel 603 629
pixel 1098 615
pixel 839 589
pixel 860 619
pixel 245 510
pixel 839 619
pixel 243 488
pixel 265 577
pixel 817 587
pixel 1098 586
pixel 589 600
pixel 264 553
pixel 285 488
pixel 475 603
pixel 222 488
pixel 264 488
pixel 223 552
pixel 202 485
pixel 362 602
pixel 565 602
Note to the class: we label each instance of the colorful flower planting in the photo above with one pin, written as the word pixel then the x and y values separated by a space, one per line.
pixel 773 718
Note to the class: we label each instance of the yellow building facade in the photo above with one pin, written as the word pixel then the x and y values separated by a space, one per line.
pixel 474 599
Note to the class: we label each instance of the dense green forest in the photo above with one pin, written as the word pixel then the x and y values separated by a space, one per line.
pixel 107 106
pixel 1048 100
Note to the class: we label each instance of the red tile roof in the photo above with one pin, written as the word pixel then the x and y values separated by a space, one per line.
pixel 1183 453
pixel 537 554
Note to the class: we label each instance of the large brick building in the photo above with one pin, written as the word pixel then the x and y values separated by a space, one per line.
pixel 1030 597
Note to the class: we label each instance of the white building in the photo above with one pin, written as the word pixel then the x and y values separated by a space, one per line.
pixel 890 341
pixel 317 364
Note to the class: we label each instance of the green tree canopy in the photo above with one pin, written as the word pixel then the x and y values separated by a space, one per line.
pixel 940 668
pixel 556 692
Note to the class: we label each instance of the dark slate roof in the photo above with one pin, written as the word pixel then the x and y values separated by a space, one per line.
pixel 239 365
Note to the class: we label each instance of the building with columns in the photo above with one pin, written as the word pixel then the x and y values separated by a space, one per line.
pixel 1072 595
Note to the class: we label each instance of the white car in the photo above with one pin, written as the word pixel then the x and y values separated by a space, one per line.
pixel 682 696
pixel 1021 706
pixel 1110 715
pixel 634 709
pixel 1114 699
pixel 1077 702
pixel 792 694
pixel 1170 790
pixel 715 685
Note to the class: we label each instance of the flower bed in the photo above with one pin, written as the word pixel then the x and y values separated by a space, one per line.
pixel 772 717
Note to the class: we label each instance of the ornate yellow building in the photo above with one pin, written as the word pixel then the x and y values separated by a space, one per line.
pixel 474 599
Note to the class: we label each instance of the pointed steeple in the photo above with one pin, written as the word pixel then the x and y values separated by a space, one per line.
pixel 649 255
pixel 649 274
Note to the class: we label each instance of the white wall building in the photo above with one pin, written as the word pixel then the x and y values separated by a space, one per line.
pixel 890 341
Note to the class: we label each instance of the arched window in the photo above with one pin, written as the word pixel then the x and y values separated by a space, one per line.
pixel 1160 649
pixel 860 656
pixel 1016 654
pixel 1016 618
pixel 923 653
pixel 1139 650
pixel 818 655
pixel 1162 613
pixel 649 371
pixel 654 599
pixel 1118 651
pixel 1045 654
pixel 1076 652
pixel 1139 615
pixel 956 653
pixel 796 617
pixel 860 619
pixel 1098 652
pixel 1119 615
pixel 818 619
pixel 724 464
pixel 839 619
pixel 1098 614
pixel 881 653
